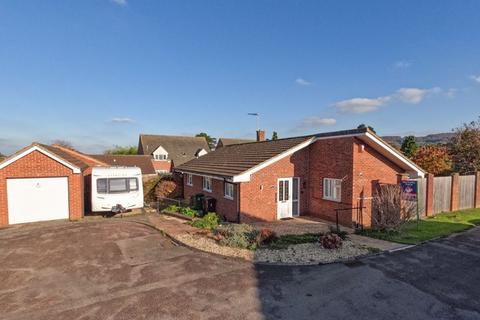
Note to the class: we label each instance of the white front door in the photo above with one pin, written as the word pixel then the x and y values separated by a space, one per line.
pixel 37 199
pixel 284 198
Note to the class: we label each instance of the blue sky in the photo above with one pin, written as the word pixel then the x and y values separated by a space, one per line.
pixel 97 73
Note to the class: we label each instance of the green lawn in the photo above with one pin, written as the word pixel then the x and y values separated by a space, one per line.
pixel 440 225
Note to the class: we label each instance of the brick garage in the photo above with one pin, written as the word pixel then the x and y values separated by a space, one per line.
pixel 314 175
pixel 41 183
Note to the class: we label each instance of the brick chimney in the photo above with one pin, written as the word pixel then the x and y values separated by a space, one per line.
pixel 260 135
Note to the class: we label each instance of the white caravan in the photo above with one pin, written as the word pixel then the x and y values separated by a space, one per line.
pixel 116 189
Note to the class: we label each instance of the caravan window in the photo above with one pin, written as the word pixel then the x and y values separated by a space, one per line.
pixel 117 185
pixel 102 185
pixel 133 184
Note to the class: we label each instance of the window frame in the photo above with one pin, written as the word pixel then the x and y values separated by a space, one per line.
pixel 225 188
pixel 204 184
pixel 189 179
pixel 128 188
pixel 332 189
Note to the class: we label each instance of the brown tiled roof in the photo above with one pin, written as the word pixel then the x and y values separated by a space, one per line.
pixel 235 159
pixel 222 142
pixel 180 149
pixel 67 156
pixel 140 161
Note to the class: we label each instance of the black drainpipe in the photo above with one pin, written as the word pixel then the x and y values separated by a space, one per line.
pixel 238 202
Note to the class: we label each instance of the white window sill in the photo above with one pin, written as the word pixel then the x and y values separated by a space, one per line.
pixel 227 197
pixel 206 190
pixel 333 200
pixel 190 185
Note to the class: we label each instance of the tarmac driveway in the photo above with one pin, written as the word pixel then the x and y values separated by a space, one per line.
pixel 125 270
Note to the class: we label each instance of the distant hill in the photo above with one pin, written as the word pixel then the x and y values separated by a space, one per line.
pixel 437 138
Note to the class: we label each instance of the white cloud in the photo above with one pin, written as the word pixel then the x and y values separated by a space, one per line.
pixel 122 120
pixel 475 78
pixel 406 95
pixel 402 64
pixel 361 105
pixel 303 82
pixel 315 122
pixel 451 92
pixel 121 3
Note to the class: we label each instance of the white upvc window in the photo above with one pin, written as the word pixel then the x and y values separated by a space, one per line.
pixel 207 184
pixel 160 157
pixel 229 190
pixel 189 180
pixel 332 189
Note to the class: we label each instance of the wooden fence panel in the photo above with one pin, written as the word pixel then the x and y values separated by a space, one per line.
pixel 422 195
pixel 442 196
pixel 466 186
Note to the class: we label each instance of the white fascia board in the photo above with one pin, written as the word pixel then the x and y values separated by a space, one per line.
pixel 420 173
pixel 245 176
pixel 45 152
pixel 202 175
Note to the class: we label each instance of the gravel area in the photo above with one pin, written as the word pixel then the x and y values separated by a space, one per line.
pixel 204 243
pixel 309 253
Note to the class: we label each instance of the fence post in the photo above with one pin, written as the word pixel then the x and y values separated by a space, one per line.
pixel 429 195
pixel 476 203
pixel 455 193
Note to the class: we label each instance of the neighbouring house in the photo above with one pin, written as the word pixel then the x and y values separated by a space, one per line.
pixel 222 142
pixel 141 161
pixel 309 175
pixel 167 152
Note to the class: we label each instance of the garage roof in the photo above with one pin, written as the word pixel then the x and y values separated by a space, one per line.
pixel 55 153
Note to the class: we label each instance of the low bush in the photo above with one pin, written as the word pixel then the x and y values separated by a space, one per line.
pixel 243 236
pixel 284 241
pixel 172 208
pixel 331 241
pixel 189 212
pixel 340 233
pixel 208 221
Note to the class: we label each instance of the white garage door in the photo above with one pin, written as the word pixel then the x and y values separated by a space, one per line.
pixel 37 199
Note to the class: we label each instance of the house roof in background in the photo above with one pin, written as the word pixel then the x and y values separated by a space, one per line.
pixel 229 141
pixel 180 149
pixel 144 162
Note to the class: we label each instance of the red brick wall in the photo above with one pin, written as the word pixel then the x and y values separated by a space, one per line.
pixel 370 168
pixel 258 197
pixel 34 165
pixel 331 158
pixel 226 208
pixel 164 165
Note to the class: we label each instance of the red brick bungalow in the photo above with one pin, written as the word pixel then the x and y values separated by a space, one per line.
pixel 309 175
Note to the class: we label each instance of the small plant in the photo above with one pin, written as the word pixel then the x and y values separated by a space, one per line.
pixel 189 212
pixel 208 221
pixel 266 236
pixel 241 236
pixel 284 241
pixel 342 234
pixel 331 241
pixel 172 208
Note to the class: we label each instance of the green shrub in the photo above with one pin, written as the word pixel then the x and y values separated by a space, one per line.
pixel 284 241
pixel 342 234
pixel 189 212
pixel 208 221
pixel 241 236
pixel 172 208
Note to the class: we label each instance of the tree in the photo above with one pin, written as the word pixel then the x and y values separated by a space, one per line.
pixel 274 135
pixel 2 156
pixel 63 143
pixel 464 147
pixel 118 150
pixel 363 126
pixel 433 159
pixel 409 146
pixel 212 142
